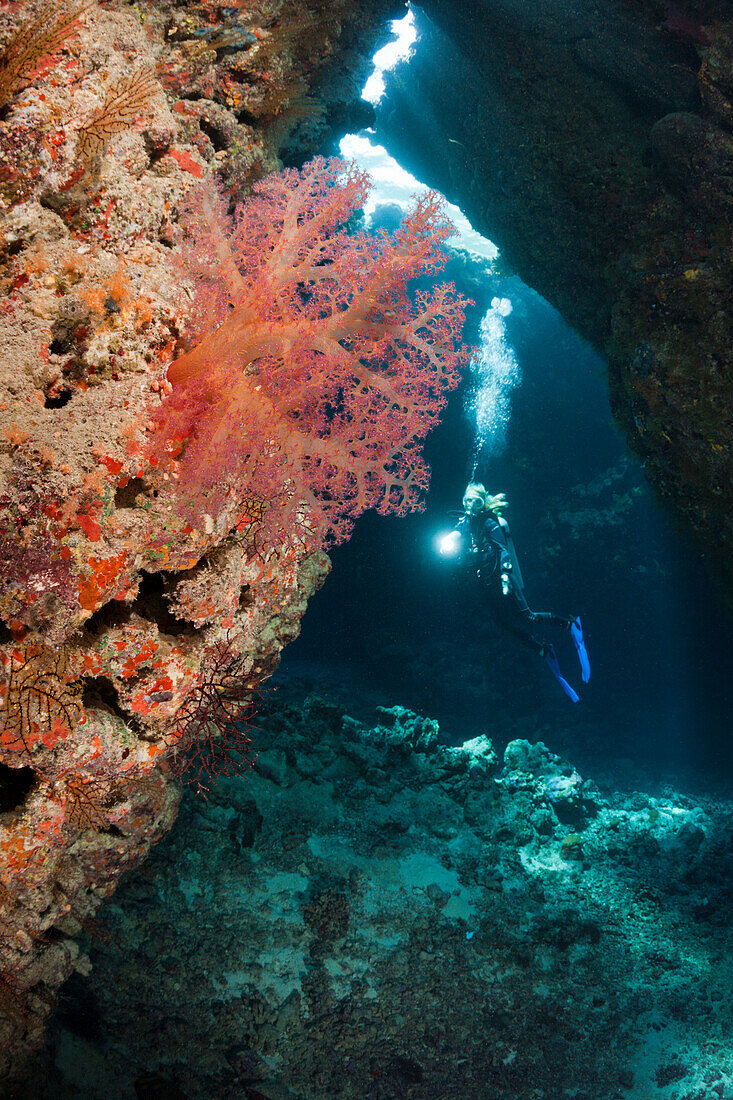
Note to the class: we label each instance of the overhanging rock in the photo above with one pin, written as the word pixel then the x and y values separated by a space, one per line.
pixel 593 144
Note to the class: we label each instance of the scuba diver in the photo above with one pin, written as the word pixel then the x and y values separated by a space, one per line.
pixel 482 536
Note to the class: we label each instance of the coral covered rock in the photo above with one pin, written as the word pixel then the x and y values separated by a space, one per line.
pixel 127 633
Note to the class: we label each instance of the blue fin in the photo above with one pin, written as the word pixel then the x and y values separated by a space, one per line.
pixel 577 632
pixel 555 669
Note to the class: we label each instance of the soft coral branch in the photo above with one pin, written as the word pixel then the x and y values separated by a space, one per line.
pixel 312 377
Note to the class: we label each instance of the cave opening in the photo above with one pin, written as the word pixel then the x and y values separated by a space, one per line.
pixel 592 536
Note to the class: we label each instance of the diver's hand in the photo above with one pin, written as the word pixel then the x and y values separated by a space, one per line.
pixel 449 545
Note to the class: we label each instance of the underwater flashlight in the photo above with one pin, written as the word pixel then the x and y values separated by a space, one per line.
pixel 449 544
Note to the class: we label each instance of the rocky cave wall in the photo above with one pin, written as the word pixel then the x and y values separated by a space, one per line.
pixel 122 621
pixel 593 144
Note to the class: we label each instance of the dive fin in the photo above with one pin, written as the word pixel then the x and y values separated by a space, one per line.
pixel 552 661
pixel 577 632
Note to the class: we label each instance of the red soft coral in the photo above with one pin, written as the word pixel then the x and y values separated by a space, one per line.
pixel 313 379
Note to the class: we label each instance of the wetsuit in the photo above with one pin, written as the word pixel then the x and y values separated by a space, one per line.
pixel 484 543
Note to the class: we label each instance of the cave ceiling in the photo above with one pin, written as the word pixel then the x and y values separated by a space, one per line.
pixel 592 142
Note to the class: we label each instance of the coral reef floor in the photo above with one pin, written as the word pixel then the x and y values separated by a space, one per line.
pixel 372 913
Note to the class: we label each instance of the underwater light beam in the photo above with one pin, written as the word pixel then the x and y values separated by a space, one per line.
pixel 389 55
pixel 495 370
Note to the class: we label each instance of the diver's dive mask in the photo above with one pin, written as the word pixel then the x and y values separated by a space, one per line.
pixel 473 503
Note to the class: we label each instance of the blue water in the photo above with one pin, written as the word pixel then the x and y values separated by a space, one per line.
pixel 592 539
